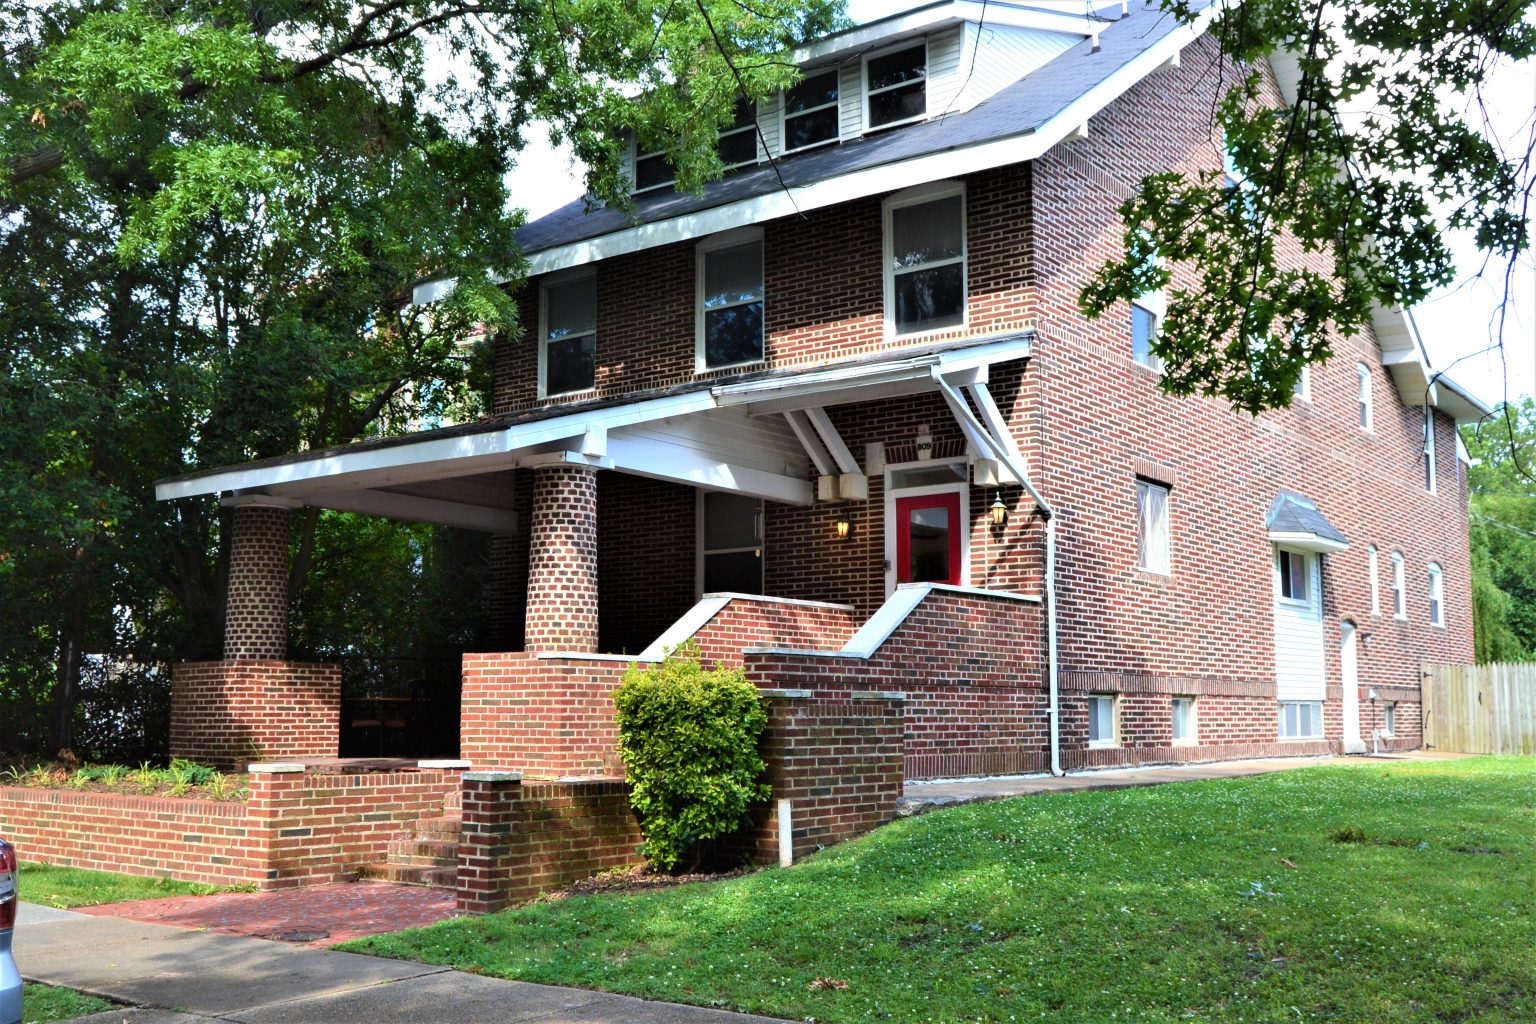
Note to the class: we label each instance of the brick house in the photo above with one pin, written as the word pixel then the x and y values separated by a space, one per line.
pixel 839 419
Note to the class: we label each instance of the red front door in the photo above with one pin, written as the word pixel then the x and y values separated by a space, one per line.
pixel 928 539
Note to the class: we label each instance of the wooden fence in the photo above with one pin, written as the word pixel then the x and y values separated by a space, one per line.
pixel 1481 709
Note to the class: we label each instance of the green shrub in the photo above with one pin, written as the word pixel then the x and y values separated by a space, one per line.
pixel 689 740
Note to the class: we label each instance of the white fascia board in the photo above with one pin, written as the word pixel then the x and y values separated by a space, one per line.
pixel 874 180
pixel 414 509
pixel 661 461
pixel 816 383
pixel 1306 542
pixel 430 459
pixel 941 16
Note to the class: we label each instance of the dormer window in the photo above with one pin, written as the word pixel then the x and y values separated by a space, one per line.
pixel 652 170
pixel 810 111
pixel 896 86
pixel 738 143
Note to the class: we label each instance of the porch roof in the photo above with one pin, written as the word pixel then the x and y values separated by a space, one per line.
pixel 724 434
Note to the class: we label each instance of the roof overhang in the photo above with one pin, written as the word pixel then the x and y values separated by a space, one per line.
pixel 1404 355
pixel 1048 15
pixel 1295 521
pixel 1307 541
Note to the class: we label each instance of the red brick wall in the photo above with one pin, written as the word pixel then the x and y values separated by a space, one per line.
pixel 522 839
pixel 823 294
pixel 256 603
pixel 742 624
pixel 562 561
pixel 229 713
pixel 296 829
pixel 545 717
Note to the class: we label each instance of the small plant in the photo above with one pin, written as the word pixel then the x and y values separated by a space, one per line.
pixel 79 780
pixel 113 774
pixel 219 786
pixel 42 775
pixel 193 773
pixel 689 740
pixel 146 779
pixel 1349 834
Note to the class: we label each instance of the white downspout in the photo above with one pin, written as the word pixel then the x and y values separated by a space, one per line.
pixel 962 409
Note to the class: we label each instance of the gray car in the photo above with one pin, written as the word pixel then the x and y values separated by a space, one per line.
pixel 10 980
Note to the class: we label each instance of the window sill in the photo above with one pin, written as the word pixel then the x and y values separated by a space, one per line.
pixel 1157 576
pixel 563 395
pixel 1300 739
pixel 1102 744
pixel 1186 743
pixel 700 368
pixel 870 129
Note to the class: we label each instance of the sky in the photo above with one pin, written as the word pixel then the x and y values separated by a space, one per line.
pixel 1460 324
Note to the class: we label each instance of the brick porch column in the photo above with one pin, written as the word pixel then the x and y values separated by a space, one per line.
pixel 256 604
pixel 562 561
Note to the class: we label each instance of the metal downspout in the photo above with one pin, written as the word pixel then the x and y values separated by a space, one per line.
pixel 962 409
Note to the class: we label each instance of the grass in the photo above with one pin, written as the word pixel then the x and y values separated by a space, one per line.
pixel 43 1004
pixel 1367 893
pixel 76 887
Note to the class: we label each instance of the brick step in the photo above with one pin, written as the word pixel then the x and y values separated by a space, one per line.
pixel 448 826
pixel 430 877
pixel 439 851
pixel 453 803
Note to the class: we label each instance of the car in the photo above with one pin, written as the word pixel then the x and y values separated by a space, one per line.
pixel 10 978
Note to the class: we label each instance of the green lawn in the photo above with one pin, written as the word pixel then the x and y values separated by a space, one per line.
pixel 43 1004
pixel 76 887
pixel 1412 899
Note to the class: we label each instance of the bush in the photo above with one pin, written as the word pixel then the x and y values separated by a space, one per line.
pixel 689 739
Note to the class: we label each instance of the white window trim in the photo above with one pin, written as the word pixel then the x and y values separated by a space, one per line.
pixel 1436 595
pixel 836 105
pixel 1321 726
pixel 1306 574
pixel 557 280
pixel 1399 587
pixel 1193 739
pixel 1373 566
pixel 961 487
pixel 1431 471
pixel 725 240
pixel 1365 398
pixel 917 196
pixel 635 156
pixel 865 93
pixel 1114 720
pixel 1303 392
pixel 1167 523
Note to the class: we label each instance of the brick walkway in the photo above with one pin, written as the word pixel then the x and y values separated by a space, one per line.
pixel 319 915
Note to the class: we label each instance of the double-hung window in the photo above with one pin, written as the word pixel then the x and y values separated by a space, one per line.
pixel 652 169
pixel 738 141
pixel 1429 450
pixel 1399 587
pixel 730 309
pixel 1147 311
pixel 1293 576
pixel 925 259
pixel 811 111
pixel 568 337
pixel 1101 720
pixel 1301 719
pixel 1436 595
pixel 1367 413
pixel 896 86
pixel 1152 540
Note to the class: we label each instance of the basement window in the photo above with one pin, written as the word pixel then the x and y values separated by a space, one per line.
pixel 1301 719
pixel 1389 718
pixel 1183 720
pixel 1101 720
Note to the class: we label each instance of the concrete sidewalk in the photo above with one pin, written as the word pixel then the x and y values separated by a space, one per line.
pixel 176 976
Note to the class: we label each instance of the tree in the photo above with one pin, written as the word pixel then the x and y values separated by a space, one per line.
pixel 1372 191
pixel 220 207
pixel 1504 533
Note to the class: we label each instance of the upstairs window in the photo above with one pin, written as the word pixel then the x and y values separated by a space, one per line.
pixel 1147 312
pixel 568 349
pixel 925 259
pixel 1293 582
pixel 738 142
pixel 1429 451
pixel 1399 594
pixel 811 111
pixel 1436 595
pixel 1303 389
pixel 896 86
pixel 1372 568
pixel 1367 412
pixel 730 311
pixel 652 169
pixel 1152 544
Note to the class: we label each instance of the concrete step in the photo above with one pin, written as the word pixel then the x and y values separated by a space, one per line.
pixel 432 877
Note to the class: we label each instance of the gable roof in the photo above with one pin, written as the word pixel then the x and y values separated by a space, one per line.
pixel 1295 519
pixel 1019 123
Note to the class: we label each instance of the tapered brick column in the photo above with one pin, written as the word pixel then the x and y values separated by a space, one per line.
pixel 256 605
pixel 562 561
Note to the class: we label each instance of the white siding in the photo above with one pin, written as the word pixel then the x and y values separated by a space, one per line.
pixel 768 128
pixel 945 71
pixel 1007 54
pixel 850 99
pixel 1299 641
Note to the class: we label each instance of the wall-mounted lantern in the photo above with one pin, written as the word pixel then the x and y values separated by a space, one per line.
pixel 844 527
pixel 999 513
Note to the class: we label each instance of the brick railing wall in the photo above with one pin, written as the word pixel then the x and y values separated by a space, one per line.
pixel 546 716
pixel 228 713
pixel 747 622
pixel 296 828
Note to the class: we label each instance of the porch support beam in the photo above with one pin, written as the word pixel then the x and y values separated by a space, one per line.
pixel 662 461
pixel 846 463
pixel 414 509
pixel 806 435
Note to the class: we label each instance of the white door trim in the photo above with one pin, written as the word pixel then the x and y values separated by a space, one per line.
pixel 960 487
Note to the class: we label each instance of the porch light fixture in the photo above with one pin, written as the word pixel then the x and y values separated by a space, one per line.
pixel 999 512
pixel 844 527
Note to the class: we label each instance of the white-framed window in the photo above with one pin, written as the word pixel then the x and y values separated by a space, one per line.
pixel 730 543
pixel 1436 595
pixel 652 168
pixel 1183 720
pixel 729 307
pixel 925 259
pixel 738 140
pixel 1293 576
pixel 1147 311
pixel 1429 451
pixel 1101 720
pixel 1399 587
pixel 1301 719
pixel 1152 534
pixel 1367 407
pixel 1232 177
pixel 810 112
pixel 1303 390
pixel 1373 570
pixel 568 335
pixel 1389 718
pixel 896 85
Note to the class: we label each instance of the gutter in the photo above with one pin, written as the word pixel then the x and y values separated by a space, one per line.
pixel 962 409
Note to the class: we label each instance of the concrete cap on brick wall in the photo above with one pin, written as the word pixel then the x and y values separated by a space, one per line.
pixel 493 776
pixel 442 764
pixel 784 693
pixel 880 695
pixel 275 768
